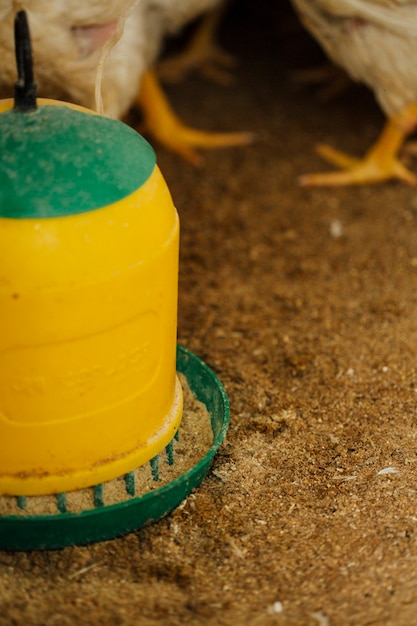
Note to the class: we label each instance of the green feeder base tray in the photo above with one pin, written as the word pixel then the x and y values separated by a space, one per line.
pixel 29 532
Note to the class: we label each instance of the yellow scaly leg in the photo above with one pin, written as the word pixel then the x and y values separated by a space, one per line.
pixel 380 163
pixel 161 121
pixel 202 53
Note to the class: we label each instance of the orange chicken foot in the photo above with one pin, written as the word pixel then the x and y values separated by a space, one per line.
pixel 161 122
pixel 380 163
pixel 202 53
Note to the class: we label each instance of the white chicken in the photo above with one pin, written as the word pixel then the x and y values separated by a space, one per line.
pixel 68 37
pixel 375 41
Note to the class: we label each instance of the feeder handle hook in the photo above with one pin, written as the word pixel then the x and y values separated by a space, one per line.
pixel 25 86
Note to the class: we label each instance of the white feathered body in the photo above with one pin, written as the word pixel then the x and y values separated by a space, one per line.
pixel 68 38
pixel 375 41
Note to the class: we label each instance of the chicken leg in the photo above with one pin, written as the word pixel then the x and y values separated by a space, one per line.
pixel 379 164
pixel 201 53
pixel 161 121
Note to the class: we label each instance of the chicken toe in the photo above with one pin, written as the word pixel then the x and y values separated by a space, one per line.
pixel 202 53
pixel 380 163
pixel 161 122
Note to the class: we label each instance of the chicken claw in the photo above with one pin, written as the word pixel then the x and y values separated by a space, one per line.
pixel 330 81
pixel 379 164
pixel 161 121
pixel 202 53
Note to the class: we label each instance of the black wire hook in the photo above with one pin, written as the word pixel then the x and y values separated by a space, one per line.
pixel 25 86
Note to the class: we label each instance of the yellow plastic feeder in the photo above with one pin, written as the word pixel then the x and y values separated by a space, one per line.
pixel 89 240
pixel 89 393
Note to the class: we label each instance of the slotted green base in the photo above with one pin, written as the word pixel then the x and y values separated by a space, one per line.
pixel 105 522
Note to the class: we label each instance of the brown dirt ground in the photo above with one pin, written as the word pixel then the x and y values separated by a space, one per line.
pixel 304 303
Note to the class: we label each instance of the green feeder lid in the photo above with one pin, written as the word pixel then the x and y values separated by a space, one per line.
pixel 59 161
